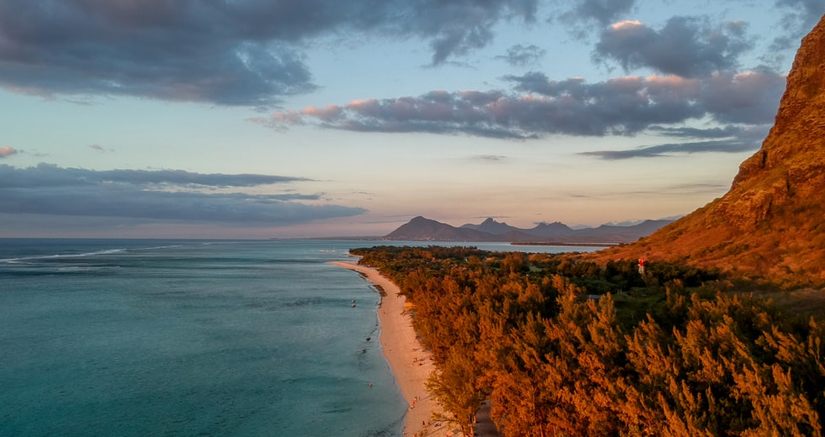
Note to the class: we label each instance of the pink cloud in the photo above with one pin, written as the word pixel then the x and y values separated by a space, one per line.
pixel 291 117
pixel 625 105
pixel 279 120
pixel 368 107
pixel 626 24
pixel 672 81
pixel 7 151
pixel 328 113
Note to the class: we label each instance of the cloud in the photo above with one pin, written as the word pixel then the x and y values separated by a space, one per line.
pixel 799 17
pixel 522 56
pixel 47 175
pixel 726 139
pixel 7 151
pixel 600 11
pixel 733 145
pixel 99 148
pixel 246 53
pixel 157 195
pixel 619 106
pixel 692 132
pixel 749 97
pixel 490 158
pixel 685 46
pixel 809 11
pixel 456 28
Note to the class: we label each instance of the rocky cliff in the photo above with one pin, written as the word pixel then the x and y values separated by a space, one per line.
pixel 771 224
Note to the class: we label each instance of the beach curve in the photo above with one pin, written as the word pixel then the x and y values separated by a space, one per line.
pixel 407 358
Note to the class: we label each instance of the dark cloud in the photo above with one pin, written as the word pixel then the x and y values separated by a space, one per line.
pixel 244 52
pixel 620 106
pixel 47 175
pixel 99 148
pixel 748 98
pixel 799 17
pixel 721 146
pixel 454 27
pixel 522 56
pixel 756 132
pixel 179 51
pixel 157 195
pixel 742 104
pixel 685 46
pixel 601 11
pixel 7 151
pixel 617 107
pixel 693 132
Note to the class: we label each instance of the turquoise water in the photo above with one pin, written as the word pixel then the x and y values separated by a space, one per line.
pixel 140 338
pixel 192 338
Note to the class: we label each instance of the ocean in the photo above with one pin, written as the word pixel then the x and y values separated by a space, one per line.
pixel 192 338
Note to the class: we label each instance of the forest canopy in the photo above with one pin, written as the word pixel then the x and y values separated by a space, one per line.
pixel 565 347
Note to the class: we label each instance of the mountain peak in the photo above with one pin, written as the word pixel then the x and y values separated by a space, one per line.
pixel 421 219
pixel 492 227
pixel 769 224
pixel 424 229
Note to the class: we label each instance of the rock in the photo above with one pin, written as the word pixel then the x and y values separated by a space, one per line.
pixel 771 223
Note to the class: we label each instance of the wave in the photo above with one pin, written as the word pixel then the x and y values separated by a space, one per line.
pixel 27 259
pixel 100 252
pixel 171 246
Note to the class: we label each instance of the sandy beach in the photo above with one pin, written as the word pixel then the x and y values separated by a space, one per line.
pixel 410 363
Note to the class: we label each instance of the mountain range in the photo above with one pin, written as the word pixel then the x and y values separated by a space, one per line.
pixel 770 225
pixel 423 229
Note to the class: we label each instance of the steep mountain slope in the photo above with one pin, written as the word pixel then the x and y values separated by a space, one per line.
pixel 771 223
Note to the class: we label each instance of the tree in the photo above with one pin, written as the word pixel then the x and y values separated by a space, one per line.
pixel 454 385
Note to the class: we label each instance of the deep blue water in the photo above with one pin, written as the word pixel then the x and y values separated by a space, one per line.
pixel 191 338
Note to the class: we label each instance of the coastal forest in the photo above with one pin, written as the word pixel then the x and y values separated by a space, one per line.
pixel 562 346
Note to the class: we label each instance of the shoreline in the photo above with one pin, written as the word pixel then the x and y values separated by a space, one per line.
pixel 410 362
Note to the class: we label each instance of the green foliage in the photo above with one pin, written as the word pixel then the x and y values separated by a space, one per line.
pixel 564 347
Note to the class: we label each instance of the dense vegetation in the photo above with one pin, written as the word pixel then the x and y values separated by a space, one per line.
pixel 563 347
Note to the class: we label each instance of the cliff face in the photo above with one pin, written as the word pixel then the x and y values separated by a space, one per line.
pixel 771 223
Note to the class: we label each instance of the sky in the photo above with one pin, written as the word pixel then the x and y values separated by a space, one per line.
pixel 319 118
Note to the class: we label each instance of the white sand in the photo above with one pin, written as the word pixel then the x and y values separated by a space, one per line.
pixel 409 361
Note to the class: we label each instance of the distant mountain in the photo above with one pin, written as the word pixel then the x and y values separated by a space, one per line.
pixel 770 224
pixel 423 229
pixel 551 230
pixel 631 233
pixel 512 233
pixel 491 226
